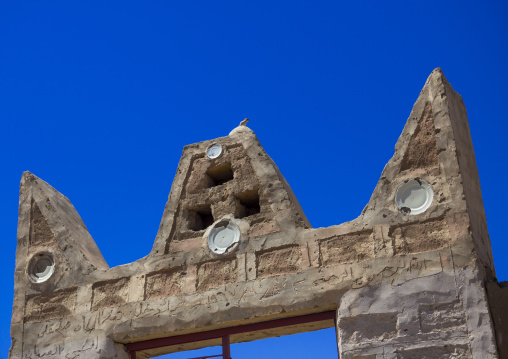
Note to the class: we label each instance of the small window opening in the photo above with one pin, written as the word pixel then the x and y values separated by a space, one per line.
pixel 247 204
pixel 200 217
pixel 219 175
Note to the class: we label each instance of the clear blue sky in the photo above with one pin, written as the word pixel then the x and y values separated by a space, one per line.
pixel 99 97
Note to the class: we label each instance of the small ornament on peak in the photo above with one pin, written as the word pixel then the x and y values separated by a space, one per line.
pixel 242 128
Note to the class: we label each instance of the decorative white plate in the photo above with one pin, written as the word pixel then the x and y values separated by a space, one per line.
pixel 414 196
pixel 223 237
pixel 41 268
pixel 214 151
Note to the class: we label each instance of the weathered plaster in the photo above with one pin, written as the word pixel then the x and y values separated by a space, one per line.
pixel 404 286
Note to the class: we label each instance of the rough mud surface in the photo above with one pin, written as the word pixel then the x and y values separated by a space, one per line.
pixel 403 286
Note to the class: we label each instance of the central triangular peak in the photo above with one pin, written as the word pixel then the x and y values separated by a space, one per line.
pixel 225 190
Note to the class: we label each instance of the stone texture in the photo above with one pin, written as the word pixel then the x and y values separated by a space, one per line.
pixel 403 286
pixel 368 356
pixel 163 284
pixel 349 248
pixel 277 261
pixel 422 149
pixel 441 316
pixel 420 237
pixel 216 273
pixel 40 308
pixel 498 297
pixel 444 352
pixel 368 327
pixel 110 293
pixel 40 233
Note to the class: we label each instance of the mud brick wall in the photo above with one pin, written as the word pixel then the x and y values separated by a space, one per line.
pixel 234 247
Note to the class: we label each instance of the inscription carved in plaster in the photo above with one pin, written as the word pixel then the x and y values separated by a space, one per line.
pixel 400 291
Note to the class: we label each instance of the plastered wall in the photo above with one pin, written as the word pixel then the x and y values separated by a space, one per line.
pixel 403 285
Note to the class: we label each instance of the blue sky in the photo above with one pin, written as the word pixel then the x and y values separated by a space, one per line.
pixel 98 99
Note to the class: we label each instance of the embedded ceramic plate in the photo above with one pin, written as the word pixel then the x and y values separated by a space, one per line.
pixel 222 237
pixel 214 151
pixel 41 268
pixel 414 196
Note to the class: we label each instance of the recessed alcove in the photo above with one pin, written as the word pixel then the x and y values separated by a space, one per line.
pixel 219 174
pixel 247 204
pixel 200 217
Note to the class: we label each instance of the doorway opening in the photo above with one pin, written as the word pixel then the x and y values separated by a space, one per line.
pixel 241 342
